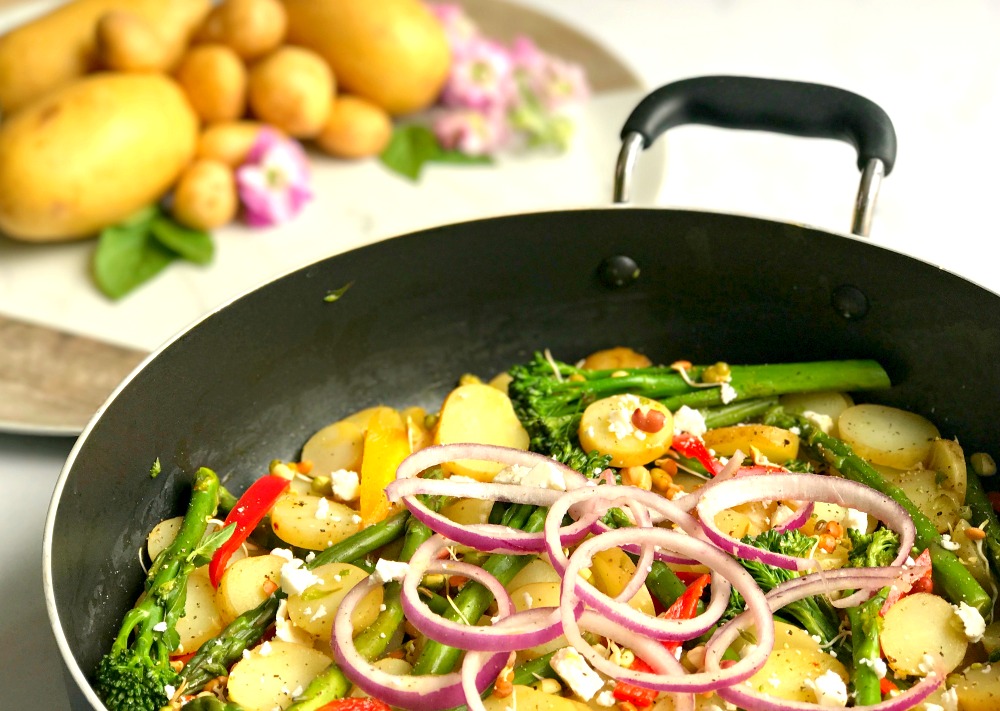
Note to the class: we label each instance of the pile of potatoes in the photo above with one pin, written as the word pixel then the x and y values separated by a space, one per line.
pixel 108 105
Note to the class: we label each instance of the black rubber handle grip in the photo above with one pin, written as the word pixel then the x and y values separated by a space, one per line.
pixel 790 107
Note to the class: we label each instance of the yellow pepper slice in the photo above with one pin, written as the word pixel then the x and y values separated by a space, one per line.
pixel 387 444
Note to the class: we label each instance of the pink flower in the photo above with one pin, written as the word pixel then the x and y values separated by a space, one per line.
pixel 273 181
pixel 475 133
pixel 481 77
pixel 459 28
pixel 553 82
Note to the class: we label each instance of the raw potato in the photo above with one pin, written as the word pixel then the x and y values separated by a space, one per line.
pixel 978 688
pixel 126 42
pixel 887 435
pixel 242 586
pixel 335 447
pixel 294 520
pixel 777 444
pixel 214 79
pixel 796 660
pixel 314 610
pixel 92 154
pixel 230 142
pixel 607 426
pixel 261 681
pixel 252 28
pixel 922 624
pixel 292 89
pixel 355 128
pixel 921 486
pixel 202 619
pixel 525 698
pixel 392 52
pixel 481 414
pixel 60 46
pixel 205 195
pixel 615 358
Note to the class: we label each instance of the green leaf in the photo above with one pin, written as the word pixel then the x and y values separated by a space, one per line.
pixel 126 256
pixel 335 294
pixel 412 146
pixel 190 244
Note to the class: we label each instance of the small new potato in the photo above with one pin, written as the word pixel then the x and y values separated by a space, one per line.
pixel 242 585
pixel 127 42
pixel 251 28
pixel 292 89
pixel 92 154
pixel 205 196
pixel 922 625
pixel 314 609
pixel 355 128
pixel 298 519
pixel 230 142
pixel 777 444
pixel 887 435
pixel 633 430
pixel 215 81
pixel 262 681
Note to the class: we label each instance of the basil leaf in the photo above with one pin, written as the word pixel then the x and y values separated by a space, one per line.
pixel 190 244
pixel 126 256
pixel 412 146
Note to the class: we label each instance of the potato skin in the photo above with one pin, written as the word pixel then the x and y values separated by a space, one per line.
pixel 91 154
pixel 392 52
pixel 205 196
pixel 355 128
pixel 291 89
pixel 215 81
pixel 60 46
pixel 251 28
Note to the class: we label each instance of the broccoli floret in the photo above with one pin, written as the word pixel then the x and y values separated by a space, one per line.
pixel 872 550
pixel 814 614
pixel 136 673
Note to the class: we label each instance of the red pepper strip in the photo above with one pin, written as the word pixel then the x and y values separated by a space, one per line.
pixel 249 510
pixel 686 606
pixel 923 584
pixel 365 704
pixel 693 448
pixel 687 576
pixel 627 691
pixel 886 686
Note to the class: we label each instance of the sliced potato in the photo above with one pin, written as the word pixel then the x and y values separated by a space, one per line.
pixel 482 414
pixel 298 520
pixel 777 444
pixel 335 447
pixel 733 523
pixel 887 435
pixel 468 511
pixel 978 688
pixel 941 506
pixel 538 570
pixel 919 625
pixel 267 678
pixel 243 584
pixel 162 535
pixel 530 596
pixel 313 610
pixel 612 569
pixel 823 407
pixel 389 665
pixel 948 460
pixel 610 426
pixel 796 661
pixel 202 618
pixel 616 358
pixel 526 698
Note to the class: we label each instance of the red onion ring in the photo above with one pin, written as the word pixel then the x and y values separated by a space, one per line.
pixel 812 487
pixel 726 569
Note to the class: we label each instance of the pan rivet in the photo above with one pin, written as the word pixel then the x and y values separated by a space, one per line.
pixel 850 302
pixel 617 271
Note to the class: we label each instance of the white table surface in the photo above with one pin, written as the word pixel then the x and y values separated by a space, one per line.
pixel 933 66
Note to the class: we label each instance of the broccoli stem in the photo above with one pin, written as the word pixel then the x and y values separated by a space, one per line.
pixel 984 517
pixel 953 578
pixel 474 598
pixel 865 649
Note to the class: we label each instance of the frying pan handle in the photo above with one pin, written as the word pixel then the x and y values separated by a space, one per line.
pixel 790 107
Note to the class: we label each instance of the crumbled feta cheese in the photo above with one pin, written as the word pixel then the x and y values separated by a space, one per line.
pixel 320 611
pixel 388 570
pixel 246 653
pixel 169 691
pixel 829 688
pixel 973 622
pixel 948 544
pixel 355 519
pixel 926 665
pixel 689 420
pixel 573 669
pixel 160 627
pixel 949 699
pixel 544 475
pixel 295 578
pixel 728 393
pixel 345 484
pixel 824 422
pixel 283 553
pixel 310 557
pixel 620 418
pixel 264 649
pixel 858 520
pixel 322 508
pixel 606 699
pixel 285 630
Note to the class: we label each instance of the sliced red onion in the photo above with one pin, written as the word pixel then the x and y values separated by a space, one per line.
pixel 798 518
pixel 812 487
pixel 725 568
pixel 420 693
pixel 798 589
pixel 732 468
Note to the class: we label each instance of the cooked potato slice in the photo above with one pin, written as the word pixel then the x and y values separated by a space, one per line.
pixel 887 435
pixel 948 460
pixel 313 610
pixel 468 511
pixel 777 444
pixel 822 407
pixel 530 596
pixel 611 426
pixel 482 414
pixel 615 358
pixel 797 660
pixel 335 447
pixel 202 619
pixel 526 698
pixel 244 584
pixel 612 570
pixel 538 570
pixel 978 688
pixel 312 522
pixel 162 535
pixel 918 625
pixel 921 486
pixel 271 673
pixel 389 665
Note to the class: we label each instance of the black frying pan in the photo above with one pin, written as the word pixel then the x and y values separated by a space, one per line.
pixel 251 382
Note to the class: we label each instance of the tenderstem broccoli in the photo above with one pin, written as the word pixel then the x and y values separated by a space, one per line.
pixel 549 396
pixel 136 674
